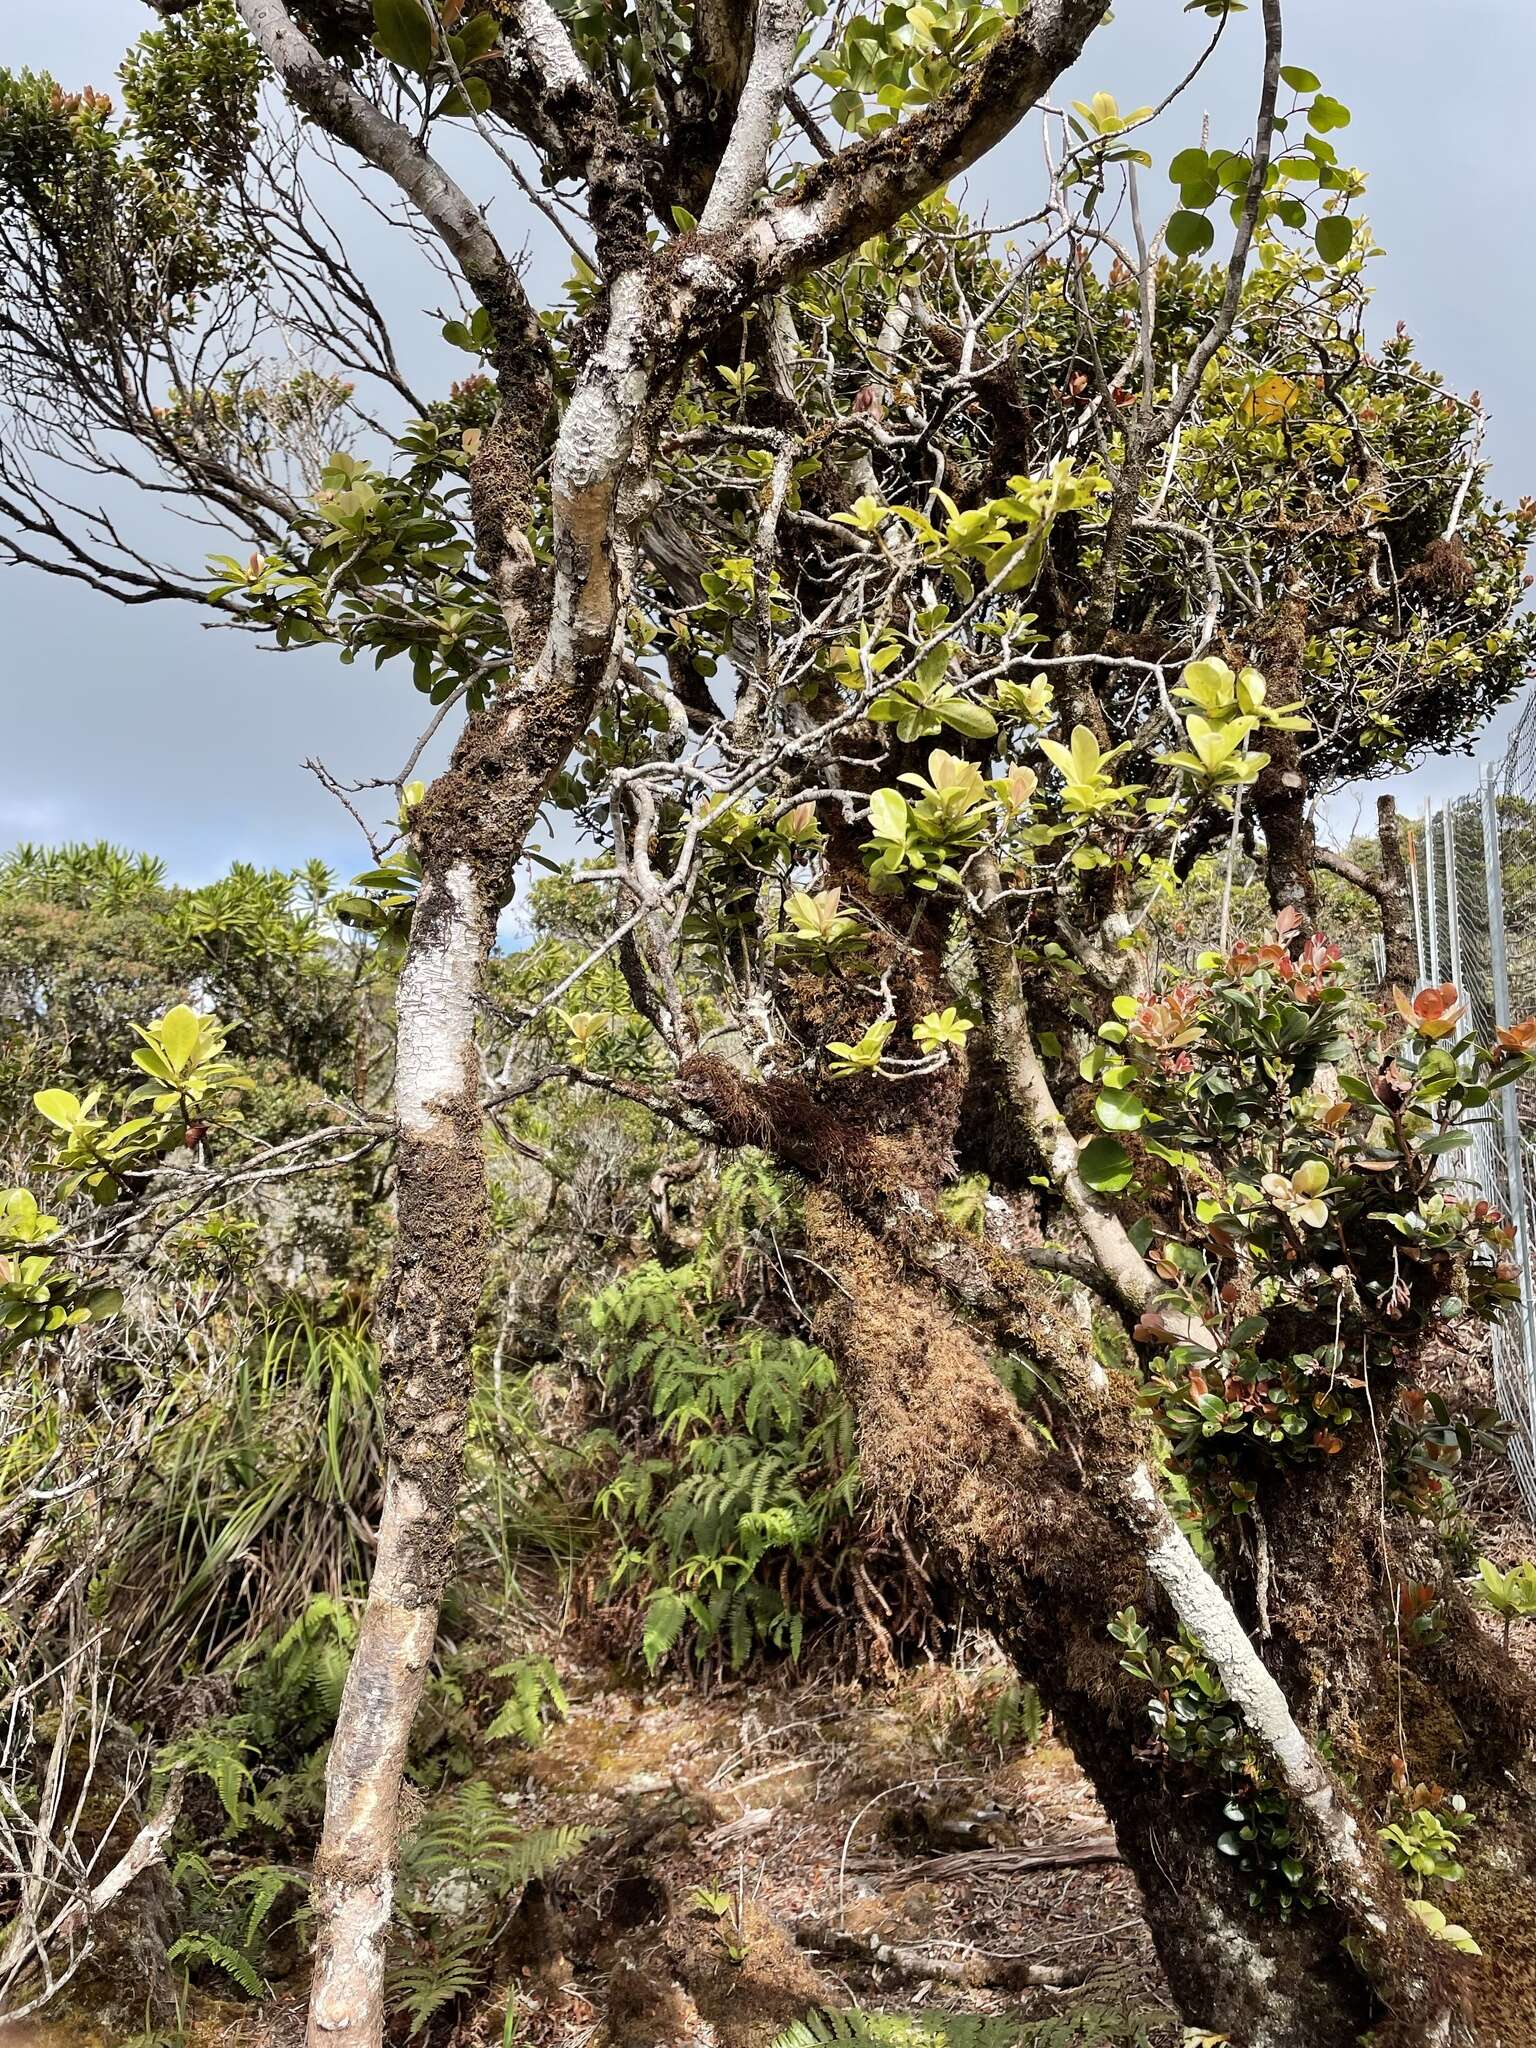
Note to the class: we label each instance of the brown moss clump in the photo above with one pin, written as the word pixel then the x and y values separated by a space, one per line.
pixel 1443 570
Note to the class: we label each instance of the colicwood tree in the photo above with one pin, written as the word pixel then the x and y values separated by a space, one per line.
pixel 906 609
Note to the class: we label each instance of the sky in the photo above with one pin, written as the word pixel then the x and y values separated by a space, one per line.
pixel 143 725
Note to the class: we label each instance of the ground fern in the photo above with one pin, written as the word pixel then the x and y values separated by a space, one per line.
pixel 1085 2029
pixel 459 1868
pixel 199 1947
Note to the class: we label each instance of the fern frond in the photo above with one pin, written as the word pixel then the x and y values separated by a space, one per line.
pixel 266 1883
pixel 423 1986
pixel 542 1850
pixel 536 1688
pixel 1082 2029
pixel 470 1838
pixel 207 1948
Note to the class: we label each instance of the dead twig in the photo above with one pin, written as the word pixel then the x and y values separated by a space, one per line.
pixel 964 1864
pixel 973 1971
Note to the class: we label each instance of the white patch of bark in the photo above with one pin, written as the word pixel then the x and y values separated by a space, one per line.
pixel 1207 1613
pixel 541 32
pixel 354 1887
pixel 435 1004
pixel 596 437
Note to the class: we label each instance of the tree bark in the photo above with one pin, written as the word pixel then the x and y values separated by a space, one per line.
pixel 1280 793
pixel 1390 892
pixel 1032 1533
pixel 434 1293
pixel 564 628
pixel 1400 964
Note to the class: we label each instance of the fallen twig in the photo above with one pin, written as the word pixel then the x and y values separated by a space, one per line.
pixel 973 1971
pixel 966 1863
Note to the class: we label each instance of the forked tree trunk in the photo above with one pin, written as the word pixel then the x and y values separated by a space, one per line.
pixel 469 832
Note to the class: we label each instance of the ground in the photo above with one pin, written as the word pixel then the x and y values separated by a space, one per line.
pixel 915 1843
pixel 740 1827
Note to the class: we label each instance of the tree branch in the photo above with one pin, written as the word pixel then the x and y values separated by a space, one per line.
pixel 333 103
pixel 745 162
pixel 867 187
pixel 1237 263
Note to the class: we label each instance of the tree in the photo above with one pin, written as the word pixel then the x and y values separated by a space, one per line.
pixel 814 503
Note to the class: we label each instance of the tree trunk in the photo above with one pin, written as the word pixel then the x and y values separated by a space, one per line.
pixel 1034 1532
pixel 1280 793
pixel 434 1297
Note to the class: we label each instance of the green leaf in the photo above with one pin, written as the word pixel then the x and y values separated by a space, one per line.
pixel 178 1032
pixel 473 99
pixel 1189 234
pixel 1189 165
pixel 1335 237
pixel 888 815
pixel 970 719
pixel 475 38
pixel 1117 1109
pixel 1299 79
pixel 59 1106
pixel 402 33
pixel 1106 1165
pixel 1325 113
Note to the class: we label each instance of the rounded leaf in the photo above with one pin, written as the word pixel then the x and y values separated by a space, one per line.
pixel 1117 1109
pixel 1106 1166
pixel 1335 237
pixel 403 33
pixel 59 1106
pixel 1189 234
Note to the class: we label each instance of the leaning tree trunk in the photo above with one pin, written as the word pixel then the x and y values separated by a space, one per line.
pixel 1037 1534
pixel 1055 1539
pixel 469 832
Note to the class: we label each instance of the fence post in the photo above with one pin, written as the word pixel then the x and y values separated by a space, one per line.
pixel 1452 892
pixel 1418 916
pixel 1514 1160
pixel 1429 891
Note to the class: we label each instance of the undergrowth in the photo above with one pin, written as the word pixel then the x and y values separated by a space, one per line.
pixel 1087 2029
pixel 731 1483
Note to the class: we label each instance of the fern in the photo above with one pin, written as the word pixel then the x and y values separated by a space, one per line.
pixel 266 1884
pixel 758 1468
pixel 424 1985
pixel 469 1838
pixel 665 1619
pixel 458 1867
pixel 536 1689
pixel 543 1850
pixel 207 1948
pixel 217 1751
pixel 1087 2029
pixel 304 1671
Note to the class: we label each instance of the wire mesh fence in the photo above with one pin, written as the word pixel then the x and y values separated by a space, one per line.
pixel 1474 907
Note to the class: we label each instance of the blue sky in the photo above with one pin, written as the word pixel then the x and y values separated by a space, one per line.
pixel 144 726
